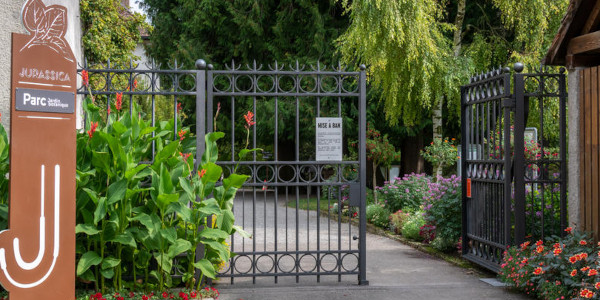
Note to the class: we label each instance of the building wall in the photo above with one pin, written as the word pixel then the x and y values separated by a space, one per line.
pixel 10 21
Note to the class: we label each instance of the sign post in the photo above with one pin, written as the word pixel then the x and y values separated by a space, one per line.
pixel 37 251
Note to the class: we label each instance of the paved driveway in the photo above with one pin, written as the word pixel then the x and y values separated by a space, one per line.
pixel 394 270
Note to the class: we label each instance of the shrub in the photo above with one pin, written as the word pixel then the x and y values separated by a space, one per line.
pixel 427 233
pixel 443 209
pixel 404 193
pixel 397 220
pixel 440 153
pixel 412 226
pixel 378 215
pixel 557 269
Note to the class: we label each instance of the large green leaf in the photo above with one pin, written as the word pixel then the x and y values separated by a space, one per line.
pixel 87 260
pixel 178 247
pixel 100 211
pixel 87 229
pixel 206 267
pixel 211 152
pixel 132 172
pixel 125 239
pixel 110 262
pixel 152 223
pixel 166 152
pixel 169 234
pixel 102 161
pixel 213 172
pixel 213 234
pixel 221 249
pixel 226 220
pixel 184 212
pixel 164 261
pixel 239 230
pixel 163 201
pixel 116 191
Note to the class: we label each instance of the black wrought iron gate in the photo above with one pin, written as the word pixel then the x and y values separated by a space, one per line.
pixel 514 182
pixel 287 176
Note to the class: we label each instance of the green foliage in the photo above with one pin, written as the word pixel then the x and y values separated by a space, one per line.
pixel 378 215
pixel 138 217
pixel 412 227
pixel 397 220
pixel 408 55
pixel 109 31
pixel 265 31
pixel 406 193
pixel 441 153
pixel 534 24
pixel 4 171
pixel 443 209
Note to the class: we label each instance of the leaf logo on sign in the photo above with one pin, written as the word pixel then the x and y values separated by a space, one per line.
pixel 48 26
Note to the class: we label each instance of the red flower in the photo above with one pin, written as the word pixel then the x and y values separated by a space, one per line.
pixel 85 78
pixel 108 111
pixel 119 102
pixel 93 126
pixel 597 285
pixel 573 259
pixel 249 119
pixel 573 273
pixel 144 297
pixel 134 86
pixel 593 272
pixel 568 229
pixel 179 108
pixel 538 271
pixel 201 173
pixel 557 251
pixel 185 156
pixel 539 249
pixel 582 243
pixel 585 293
pixel 193 294
pixel 181 134
pixel 539 243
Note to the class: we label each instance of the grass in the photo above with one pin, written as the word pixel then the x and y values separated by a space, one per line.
pixel 312 204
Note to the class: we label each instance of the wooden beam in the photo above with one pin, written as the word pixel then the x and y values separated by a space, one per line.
pixel 584 43
pixel 593 19
pixel 573 61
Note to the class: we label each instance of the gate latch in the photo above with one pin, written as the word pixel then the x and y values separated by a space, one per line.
pixel 354 194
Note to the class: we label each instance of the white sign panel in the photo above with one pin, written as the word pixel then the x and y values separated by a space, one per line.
pixel 329 139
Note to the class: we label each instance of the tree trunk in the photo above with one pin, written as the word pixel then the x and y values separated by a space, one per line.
pixel 374 182
pixel 437 112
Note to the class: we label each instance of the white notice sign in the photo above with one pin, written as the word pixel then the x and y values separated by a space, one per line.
pixel 329 139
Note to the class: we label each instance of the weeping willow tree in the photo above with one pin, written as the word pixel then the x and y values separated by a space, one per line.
pixel 413 56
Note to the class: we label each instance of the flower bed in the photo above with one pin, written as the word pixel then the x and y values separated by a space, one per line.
pixel 182 295
pixel 559 268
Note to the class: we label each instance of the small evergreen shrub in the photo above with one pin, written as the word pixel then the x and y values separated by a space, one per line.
pixel 412 226
pixel 378 215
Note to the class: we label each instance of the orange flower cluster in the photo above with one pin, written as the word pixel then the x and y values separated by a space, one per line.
pixel 93 126
pixel 585 293
pixel 201 173
pixel 577 257
pixel 119 101
pixel 181 134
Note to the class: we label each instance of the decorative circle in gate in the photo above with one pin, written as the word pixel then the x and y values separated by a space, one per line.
pixel 286 260
pixel 308 84
pixel 286 171
pixel 350 262
pixel 329 262
pixel 308 173
pixel 265 84
pixel 307 263
pixel 242 261
pixel 265 263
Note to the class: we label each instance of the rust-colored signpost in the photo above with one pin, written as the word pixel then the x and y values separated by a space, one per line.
pixel 37 252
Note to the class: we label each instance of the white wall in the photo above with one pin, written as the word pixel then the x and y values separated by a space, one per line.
pixel 10 21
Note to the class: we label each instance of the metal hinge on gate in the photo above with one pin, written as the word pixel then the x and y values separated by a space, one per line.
pixel 509 102
pixel 354 194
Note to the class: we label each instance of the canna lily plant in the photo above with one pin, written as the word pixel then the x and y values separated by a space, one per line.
pixel 137 222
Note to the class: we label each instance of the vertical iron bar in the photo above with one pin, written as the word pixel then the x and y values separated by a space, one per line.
pixel 519 152
pixel 507 164
pixel 362 277
pixel 200 132
pixel 464 114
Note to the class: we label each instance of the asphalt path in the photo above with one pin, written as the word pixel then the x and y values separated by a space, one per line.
pixel 394 270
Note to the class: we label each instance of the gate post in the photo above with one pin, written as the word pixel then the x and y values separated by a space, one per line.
pixel 362 242
pixel 519 154
pixel 200 133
